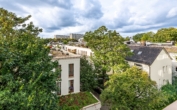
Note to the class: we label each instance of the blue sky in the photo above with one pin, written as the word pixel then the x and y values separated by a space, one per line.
pixel 127 17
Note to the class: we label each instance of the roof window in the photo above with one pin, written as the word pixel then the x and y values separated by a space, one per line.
pixel 139 52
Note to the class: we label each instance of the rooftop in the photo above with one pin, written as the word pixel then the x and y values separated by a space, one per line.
pixel 62 54
pixel 171 49
pixel 144 54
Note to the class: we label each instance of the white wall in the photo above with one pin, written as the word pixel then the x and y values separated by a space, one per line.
pixel 161 69
pixel 78 49
pixel 144 66
pixel 174 63
pixel 65 75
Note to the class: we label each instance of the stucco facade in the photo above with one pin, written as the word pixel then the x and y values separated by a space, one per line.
pixel 65 78
pixel 69 78
pixel 174 63
pixel 160 70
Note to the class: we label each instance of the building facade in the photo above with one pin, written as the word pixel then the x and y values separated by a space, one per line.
pixel 69 79
pixel 61 36
pixel 76 36
pixel 155 61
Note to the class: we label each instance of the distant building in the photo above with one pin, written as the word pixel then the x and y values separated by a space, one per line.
pixel 71 36
pixel 76 36
pixel 61 36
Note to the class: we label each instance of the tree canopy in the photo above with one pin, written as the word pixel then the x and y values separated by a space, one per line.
pixel 87 75
pixel 109 50
pixel 166 34
pixel 132 90
pixel 26 79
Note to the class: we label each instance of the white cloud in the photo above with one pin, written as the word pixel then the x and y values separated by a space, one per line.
pixel 172 12
pixel 79 16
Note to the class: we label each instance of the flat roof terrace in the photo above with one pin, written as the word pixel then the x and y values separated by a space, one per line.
pixel 62 54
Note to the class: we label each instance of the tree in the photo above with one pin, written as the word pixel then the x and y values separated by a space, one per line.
pixel 87 75
pixel 127 38
pixel 145 37
pixel 109 50
pixel 138 37
pixel 166 34
pixel 26 78
pixel 171 91
pixel 132 90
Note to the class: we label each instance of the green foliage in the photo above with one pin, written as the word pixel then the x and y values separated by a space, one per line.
pixel 76 101
pixel 26 78
pixel 65 41
pixel 109 49
pixel 138 37
pixel 87 75
pixel 166 34
pixel 127 38
pixel 171 91
pixel 148 36
pixel 132 90
pixel 145 37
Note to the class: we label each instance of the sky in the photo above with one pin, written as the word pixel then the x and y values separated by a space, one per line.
pixel 127 17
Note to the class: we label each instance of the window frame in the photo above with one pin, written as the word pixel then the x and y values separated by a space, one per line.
pixel 71 70
pixel 71 86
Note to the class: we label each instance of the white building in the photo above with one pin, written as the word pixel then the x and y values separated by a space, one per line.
pixel 79 50
pixel 76 36
pixel 172 50
pixel 70 72
pixel 155 61
pixel 61 36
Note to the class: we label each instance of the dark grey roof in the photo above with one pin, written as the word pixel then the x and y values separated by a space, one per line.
pixel 148 55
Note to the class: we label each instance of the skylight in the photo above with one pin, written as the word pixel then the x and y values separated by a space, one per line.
pixel 139 52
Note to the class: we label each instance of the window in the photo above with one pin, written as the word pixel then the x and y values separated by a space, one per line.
pixel 59 66
pixel 139 52
pixel 58 87
pixel 71 70
pixel 176 68
pixel 132 50
pixel 71 86
pixel 163 69
pixel 138 66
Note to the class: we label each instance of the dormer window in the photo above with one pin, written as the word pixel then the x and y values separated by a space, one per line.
pixel 139 52
pixel 138 66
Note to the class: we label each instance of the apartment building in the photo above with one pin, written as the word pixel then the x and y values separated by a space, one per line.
pixel 69 79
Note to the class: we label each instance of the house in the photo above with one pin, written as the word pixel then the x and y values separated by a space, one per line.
pixel 70 72
pixel 172 50
pixel 154 60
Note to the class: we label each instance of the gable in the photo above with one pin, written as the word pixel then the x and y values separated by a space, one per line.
pixel 144 54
